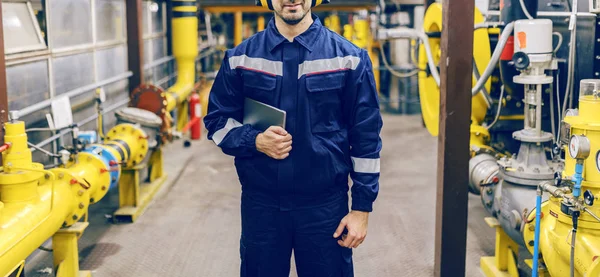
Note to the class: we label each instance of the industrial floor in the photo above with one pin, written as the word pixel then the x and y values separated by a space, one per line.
pixel 193 226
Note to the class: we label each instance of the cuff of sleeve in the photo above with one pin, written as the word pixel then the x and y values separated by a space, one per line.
pixel 249 138
pixel 362 205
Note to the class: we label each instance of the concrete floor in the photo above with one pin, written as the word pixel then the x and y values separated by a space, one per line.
pixel 192 228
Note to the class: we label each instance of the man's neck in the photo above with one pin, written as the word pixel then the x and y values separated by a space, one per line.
pixel 292 31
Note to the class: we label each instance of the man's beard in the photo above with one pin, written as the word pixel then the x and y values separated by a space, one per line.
pixel 294 21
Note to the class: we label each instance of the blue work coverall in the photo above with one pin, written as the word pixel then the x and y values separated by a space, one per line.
pixel 326 86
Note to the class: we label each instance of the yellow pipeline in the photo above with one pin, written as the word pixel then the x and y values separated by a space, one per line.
pixel 35 203
pixel 185 50
pixel 555 226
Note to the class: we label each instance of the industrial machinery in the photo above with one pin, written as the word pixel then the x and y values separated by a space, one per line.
pixel 568 233
pixel 517 152
pixel 36 204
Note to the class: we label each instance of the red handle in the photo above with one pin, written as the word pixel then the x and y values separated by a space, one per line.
pixel 5 147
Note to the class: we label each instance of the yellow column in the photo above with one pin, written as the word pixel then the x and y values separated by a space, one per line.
pixel 260 23
pixel 237 29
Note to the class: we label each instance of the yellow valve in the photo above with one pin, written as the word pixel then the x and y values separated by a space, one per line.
pixel 556 227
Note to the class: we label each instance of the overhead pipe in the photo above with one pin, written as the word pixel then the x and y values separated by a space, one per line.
pixel 36 203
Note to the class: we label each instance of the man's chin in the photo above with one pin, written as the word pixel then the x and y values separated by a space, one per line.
pixel 292 20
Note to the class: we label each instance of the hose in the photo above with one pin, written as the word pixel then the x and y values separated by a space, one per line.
pixel 552 119
pixel 499 108
pixel 433 68
pixel 575 217
pixel 43 150
pixel 558 110
pixel 536 240
pixel 572 53
pixel 560 41
pixel 487 97
pixel 495 58
pixel 525 11
pixel 393 71
pixel 412 33
pixel 40 130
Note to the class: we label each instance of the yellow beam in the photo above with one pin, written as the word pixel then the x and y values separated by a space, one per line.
pixel 255 9
pixel 237 28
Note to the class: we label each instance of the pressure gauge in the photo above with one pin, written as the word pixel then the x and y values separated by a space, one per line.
pixel 579 147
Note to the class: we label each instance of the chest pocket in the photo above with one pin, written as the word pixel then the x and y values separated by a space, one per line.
pixel 260 86
pixel 324 93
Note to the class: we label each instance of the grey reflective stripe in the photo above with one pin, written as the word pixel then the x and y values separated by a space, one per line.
pixel 365 165
pixel 257 64
pixel 328 65
pixel 220 134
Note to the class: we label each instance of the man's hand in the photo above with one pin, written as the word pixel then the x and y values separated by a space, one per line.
pixel 356 222
pixel 275 142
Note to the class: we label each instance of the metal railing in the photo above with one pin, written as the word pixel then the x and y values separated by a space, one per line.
pixel 73 93
pixel 158 62
pixel 81 123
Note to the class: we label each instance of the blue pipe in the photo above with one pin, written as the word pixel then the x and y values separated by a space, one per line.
pixel 577 179
pixel 536 240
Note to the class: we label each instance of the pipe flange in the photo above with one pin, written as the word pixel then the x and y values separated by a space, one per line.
pixel 79 191
pixel 154 99
pixel 137 152
pixel 103 171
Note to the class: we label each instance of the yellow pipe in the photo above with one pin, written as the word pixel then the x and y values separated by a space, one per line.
pixel 260 24
pixel 555 228
pixel 237 28
pixel 185 50
pixel 36 203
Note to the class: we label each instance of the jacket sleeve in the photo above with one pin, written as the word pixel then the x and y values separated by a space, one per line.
pixel 225 112
pixel 364 123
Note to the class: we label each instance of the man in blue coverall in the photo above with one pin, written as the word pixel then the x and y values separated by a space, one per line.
pixel 298 199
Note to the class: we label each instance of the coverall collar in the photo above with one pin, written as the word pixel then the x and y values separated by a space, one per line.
pixel 306 39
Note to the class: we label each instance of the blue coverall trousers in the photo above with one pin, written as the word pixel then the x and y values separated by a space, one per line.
pixel 269 235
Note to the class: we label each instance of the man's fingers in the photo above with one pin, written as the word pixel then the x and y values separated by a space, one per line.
pixel 352 239
pixel 340 228
pixel 284 145
pixel 286 150
pixel 278 130
pixel 287 138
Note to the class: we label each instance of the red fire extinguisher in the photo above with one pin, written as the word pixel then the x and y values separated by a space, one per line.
pixel 195 115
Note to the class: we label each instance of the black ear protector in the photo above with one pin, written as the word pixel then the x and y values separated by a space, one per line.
pixel 269 4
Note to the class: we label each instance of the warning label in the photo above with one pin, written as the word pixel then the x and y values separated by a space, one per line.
pixel 522 38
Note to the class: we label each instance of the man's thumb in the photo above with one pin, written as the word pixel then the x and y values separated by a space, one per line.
pixel 339 229
pixel 278 130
